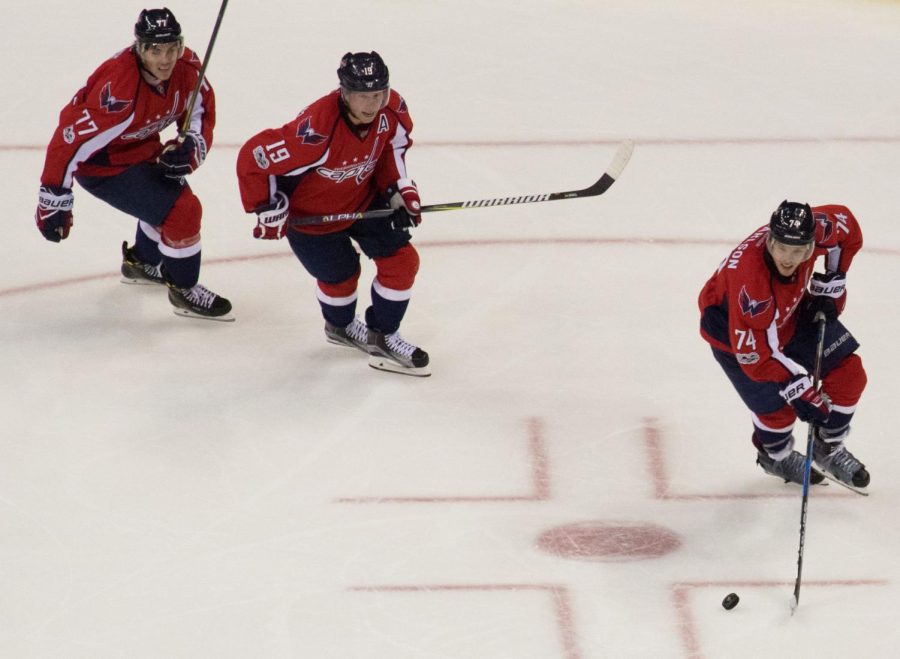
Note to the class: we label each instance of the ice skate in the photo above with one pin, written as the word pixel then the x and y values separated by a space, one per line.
pixel 135 271
pixel 354 335
pixel 199 302
pixel 833 458
pixel 790 468
pixel 389 352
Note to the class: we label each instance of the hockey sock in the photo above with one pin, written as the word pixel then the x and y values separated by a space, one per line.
pixel 146 244
pixel 182 272
pixel 387 310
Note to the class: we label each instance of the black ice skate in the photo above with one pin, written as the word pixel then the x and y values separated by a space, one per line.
pixel 135 271
pixel 199 302
pixel 355 335
pixel 790 468
pixel 389 352
pixel 833 458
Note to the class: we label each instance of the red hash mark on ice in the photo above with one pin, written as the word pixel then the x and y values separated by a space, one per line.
pixel 559 595
pixel 540 479
pixel 655 447
pixel 681 592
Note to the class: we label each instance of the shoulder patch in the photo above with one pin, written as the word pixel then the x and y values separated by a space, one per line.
pixel 747 357
pixel 110 102
pixel 259 154
pixel 826 224
pixel 307 134
pixel 751 307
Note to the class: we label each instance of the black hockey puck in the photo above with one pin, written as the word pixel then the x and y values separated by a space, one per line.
pixel 731 600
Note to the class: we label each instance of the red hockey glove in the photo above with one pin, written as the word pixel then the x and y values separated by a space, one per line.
pixel 827 294
pixel 810 405
pixel 271 218
pixel 54 212
pixel 182 156
pixel 407 205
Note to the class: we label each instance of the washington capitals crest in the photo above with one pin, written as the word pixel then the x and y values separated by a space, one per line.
pixel 306 133
pixel 110 102
pixel 751 307
pixel 827 225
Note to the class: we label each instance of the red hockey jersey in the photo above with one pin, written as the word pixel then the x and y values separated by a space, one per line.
pixel 325 164
pixel 750 312
pixel 114 121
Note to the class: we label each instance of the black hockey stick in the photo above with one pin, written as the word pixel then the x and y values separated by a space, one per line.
pixel 612 173
pixel 807 467
pixel 190 106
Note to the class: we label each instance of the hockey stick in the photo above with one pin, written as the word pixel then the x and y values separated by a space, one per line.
pixel 807 466
pixel 190 106
pixel 612 173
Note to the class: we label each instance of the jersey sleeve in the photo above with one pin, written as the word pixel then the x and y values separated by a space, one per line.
pixel 97 114
pixel 392 164
pixel 290 150
pixel 839 235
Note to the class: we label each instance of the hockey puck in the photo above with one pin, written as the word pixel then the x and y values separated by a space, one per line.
pixel 731 600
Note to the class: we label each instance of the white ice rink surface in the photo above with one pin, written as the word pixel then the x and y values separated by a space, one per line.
pixel 576 478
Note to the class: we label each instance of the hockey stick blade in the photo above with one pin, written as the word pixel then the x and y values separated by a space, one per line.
pixel 610 176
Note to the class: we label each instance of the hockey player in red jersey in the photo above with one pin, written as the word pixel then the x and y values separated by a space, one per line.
pixel 344 153
pixel 757 313
pixel 108 141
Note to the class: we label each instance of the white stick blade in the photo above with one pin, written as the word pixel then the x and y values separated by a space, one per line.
pixel 623 155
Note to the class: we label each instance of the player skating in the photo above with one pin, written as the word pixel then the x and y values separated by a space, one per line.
pixel 757 314
pixel 108 141
pixel 345 153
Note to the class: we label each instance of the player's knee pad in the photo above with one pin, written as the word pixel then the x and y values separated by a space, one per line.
pixel 338 293
pixel 398 272
pixel 181 228
pixel 845 383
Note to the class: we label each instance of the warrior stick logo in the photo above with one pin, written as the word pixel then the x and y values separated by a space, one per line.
pixel 751 307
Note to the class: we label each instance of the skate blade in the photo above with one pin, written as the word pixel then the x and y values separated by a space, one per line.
pixel 861 492
pixel 134 281
pixel 344 344
pixel 384 364
pixel 225 318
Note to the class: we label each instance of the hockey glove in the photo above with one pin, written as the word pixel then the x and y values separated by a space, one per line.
pixel 810 405
pixel 54 212
pixel 827 294
pixel 182 155
pixel 271 218
pixel 406 204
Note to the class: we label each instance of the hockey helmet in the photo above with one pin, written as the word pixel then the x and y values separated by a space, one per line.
pixel 793 223
pixel 363 72
pixel 157 26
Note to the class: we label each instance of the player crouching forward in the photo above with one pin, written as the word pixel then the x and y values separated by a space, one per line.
pixel 108 141
pixel 345 153
pixel 757 313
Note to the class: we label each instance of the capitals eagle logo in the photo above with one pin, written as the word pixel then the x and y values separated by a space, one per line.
pixel 751 307
pixel 110 102
pixel 306 133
